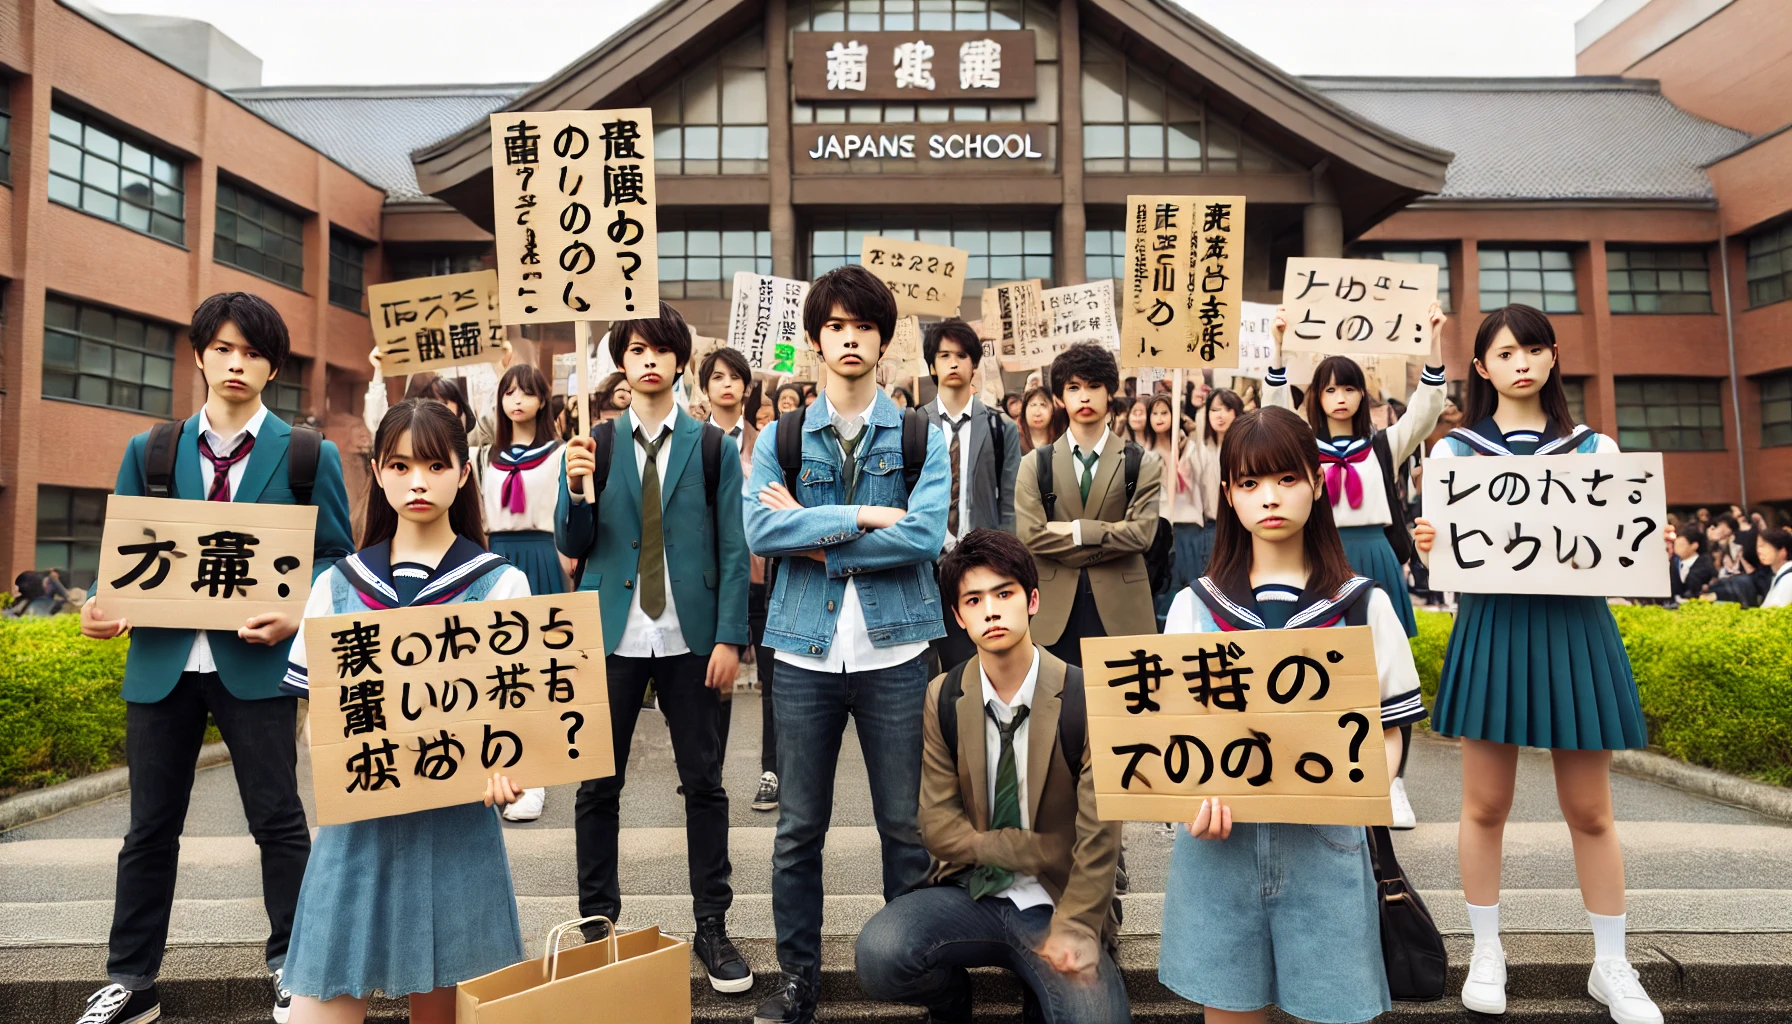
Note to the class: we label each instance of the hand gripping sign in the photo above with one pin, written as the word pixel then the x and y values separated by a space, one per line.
pixel 1282 724
pixel 415 708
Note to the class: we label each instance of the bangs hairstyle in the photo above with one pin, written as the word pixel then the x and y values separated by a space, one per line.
pixel 436 436
pixel 1054 428
pixel 530 380
pixel 955 330
pixel 1779 538
pixel 734 361
pixel 668 331
pixel 1345 373
pixel 1226 397
pixel 792 388
pixel 997 550
pixel 1266 442
pixel 1089 361
pixel 259 322
pixel 1530 327
pixel 441 389
pixel 859 293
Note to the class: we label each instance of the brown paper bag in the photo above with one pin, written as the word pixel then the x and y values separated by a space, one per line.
pixel 641 977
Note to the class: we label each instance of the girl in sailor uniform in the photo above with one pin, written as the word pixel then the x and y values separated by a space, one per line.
pixel 1265 913
pixel 410 904
pixel 1535 670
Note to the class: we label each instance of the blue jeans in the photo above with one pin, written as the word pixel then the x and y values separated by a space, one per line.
pixel 916 950
pixel 811 709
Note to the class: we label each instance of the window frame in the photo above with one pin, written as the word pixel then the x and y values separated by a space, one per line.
pixel 1626 254
pixel 5 131
pixel 291 380
pixel 1415 253
pixel 1543 291
pixel 360 250
pixel 237 190
pixel 73 536
pixel 144 352
pixel 1781 382
pixel 164 169
pixel 1627 436
pixel 674 135
pixel 1780 277
pixel 943 228
pixel 676 229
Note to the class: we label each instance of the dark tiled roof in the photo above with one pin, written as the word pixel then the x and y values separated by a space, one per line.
pixel 1547 138
pixel 372 129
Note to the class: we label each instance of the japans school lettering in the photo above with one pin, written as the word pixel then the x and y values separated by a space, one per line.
pixel 939 146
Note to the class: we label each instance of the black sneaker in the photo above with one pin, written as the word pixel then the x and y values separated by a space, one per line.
pixel 767 797
pixel 728 972
pixel 792 1003
pixel 116 1004
pixel 282 998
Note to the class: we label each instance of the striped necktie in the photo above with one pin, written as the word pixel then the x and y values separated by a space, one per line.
pixel 220 490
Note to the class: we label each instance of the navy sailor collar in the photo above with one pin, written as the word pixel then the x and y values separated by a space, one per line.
pixel 369 571
pixel 1240 611
pixel 1343 447
pixel 1486 438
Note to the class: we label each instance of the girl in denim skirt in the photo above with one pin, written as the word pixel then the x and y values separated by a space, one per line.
pixel 1257 914
pixel 410 904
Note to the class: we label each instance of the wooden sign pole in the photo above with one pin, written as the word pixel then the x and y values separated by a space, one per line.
pixel 1174 469
pixel 581 332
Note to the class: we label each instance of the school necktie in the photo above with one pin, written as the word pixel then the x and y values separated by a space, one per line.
pixel 952 429
pixel 1088 461
pixel 221 464
pixel 1004 810
pixel 849 463
pixel 652 565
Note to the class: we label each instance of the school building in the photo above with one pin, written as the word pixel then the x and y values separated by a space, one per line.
pixel 1643 203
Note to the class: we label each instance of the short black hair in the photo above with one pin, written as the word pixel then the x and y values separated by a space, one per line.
pixel 992 549
pixel 731 358
pixel 1727 520
pixel 668 331
pixel 1693 532
pixel 261 324
pixel 1778 537
pixel 856 290
pixel 957 330
pixel 1088 360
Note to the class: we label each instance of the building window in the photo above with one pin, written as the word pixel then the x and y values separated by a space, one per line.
pixel 1002 248
pixel 93 169
pixel 713 121
pixel 1104 253
pixel 285 395
pixel 1575 390
pixel 348 280
pixel 69 523
pixel 5 130
pixel 700 251
pixel 1666 414
pixel 1416 254
pixel 260 236
pixel 1658 280
pixel 99 357
pixel 1776 409
pixel 927 15
pixel 433 264
pixel 1135 121
pixel 1770 265
pixel 1540 278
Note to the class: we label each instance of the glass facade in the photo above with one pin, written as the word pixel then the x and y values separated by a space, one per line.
pixel 348 278
pixel 101 357
pixel 701 251
pixel 1417 254
pixel 93 168
pixel 70 521
pixel 713 120
pixel 1002 248
pixel 1668 414
pixel 1769 266
pixel 1540 278
pixel 285 395
pixel 260 236
pixel 1776 409
pixel 1135 120
pixel 1656 280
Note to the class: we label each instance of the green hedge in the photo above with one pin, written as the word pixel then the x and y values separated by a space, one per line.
pixel 60 712
pixel 1715 681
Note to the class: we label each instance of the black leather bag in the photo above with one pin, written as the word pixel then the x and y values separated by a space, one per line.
pixel 1411 947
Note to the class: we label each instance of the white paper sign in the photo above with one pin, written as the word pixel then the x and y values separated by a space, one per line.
pixel 1548 524
pixel 1079 313
pixel 765 320
pixel 1256 338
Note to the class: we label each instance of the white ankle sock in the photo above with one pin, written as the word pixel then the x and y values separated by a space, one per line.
pixel 1486 924
pixel 1608 936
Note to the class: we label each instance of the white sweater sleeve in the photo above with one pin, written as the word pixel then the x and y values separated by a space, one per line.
pixel 373 408
pixel 1400 701
pixel 1276 392
pixel 1410 430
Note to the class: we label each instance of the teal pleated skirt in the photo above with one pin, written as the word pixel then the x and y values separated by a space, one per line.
pixel 533 552
pixel 404 904
pixel 1371 555
pixel 1539 671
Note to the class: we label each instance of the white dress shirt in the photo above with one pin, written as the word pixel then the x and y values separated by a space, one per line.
pixel 643 637
pixel 851 649
pixel 1076 468
pixel 936 410
pixel 1026 891
pixel 199 658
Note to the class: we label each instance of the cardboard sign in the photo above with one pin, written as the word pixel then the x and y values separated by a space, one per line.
pixel 1283 724
pixel 765 320
pixel 904 351
pixel 913 66
pixel 1185 281
pixel 203 564
pixel 1015 317
pixel 1359 307
pixel 1074 314
pixel 928 279
pixel 415 708
pixel 1548 524
pixel 575 215
pixel 433 323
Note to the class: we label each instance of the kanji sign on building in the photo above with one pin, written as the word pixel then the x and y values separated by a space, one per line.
pixel 942 65
pixel 203 564
pixel 432 323
pixel 1184 281
pixel 1358 307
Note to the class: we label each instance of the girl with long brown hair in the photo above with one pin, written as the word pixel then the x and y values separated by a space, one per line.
pixel 1043 420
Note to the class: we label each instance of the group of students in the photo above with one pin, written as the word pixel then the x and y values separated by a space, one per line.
pixel 1718 561
pixel 929 576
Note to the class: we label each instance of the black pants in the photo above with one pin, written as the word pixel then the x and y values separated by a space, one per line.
pixel 762 664
pixel 161 745
pixel 1085 620
pixel 956 645
pixel 691 713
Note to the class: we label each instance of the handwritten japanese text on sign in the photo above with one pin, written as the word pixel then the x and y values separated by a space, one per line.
pixel 415 708
pixel 928 279
pixel 1283 724
pixel 431 323
pixel 1185 280
pixel 1359 307
pixel 1076 313
pixel 1015 315
pixel 575 215
pixel 765 320
pixel 1548 524
pixel 203 564
pixel 904 350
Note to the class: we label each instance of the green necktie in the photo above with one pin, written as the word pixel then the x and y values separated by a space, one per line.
pixel 1088 470
pixel 849 464
pixel 652 565
pixel 1004 811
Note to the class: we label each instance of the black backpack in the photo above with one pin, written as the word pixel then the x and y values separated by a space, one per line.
pixel 604 437
pixel 1412 951
pixel 1159 557
pixel 1398 537
pixel 302 450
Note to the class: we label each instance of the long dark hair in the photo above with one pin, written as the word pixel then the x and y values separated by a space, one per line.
pixel 1167 401
pixel 1262 443
pixel 1228 398
pixel 1530 327
pixel 527 377
pixel 437 435
pixel 1345 373
pixel 442 389
pixel 1055 427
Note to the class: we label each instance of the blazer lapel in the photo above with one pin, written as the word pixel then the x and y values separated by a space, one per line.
pixel 269 452
pixel 685 431
pixel 971 741
pixel 625 450
pixel 979 437
pixel 1105 471
pixel 1042 730
pixel 189 482
pixel 1065 475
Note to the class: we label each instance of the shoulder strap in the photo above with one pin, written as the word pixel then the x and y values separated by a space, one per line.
pixel 1357 612
pixel 302 449
pixel 950 690
pixel 790 447
pixel 914 447
pixel 1042 464
pixel 712 461
pixel 1073 720
pixel 158 469
pixel 995 437
pixel 1135 455
pixel 603 437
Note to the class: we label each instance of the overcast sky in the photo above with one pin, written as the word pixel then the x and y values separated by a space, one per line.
pixel 378 42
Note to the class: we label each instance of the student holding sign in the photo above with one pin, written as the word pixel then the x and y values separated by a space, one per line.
pixel 232 450
pixel 1314 950
pixel 1539 670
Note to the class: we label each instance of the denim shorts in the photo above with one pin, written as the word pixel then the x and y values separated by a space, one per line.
pixel 1275 914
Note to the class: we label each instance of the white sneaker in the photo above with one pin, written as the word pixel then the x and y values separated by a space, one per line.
pixel 1614 983
pixel 1403 816
pixel 1484 991
pixel 528 808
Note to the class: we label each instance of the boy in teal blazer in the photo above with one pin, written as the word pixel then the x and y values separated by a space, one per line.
pixel 232 450
pixel 668 554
